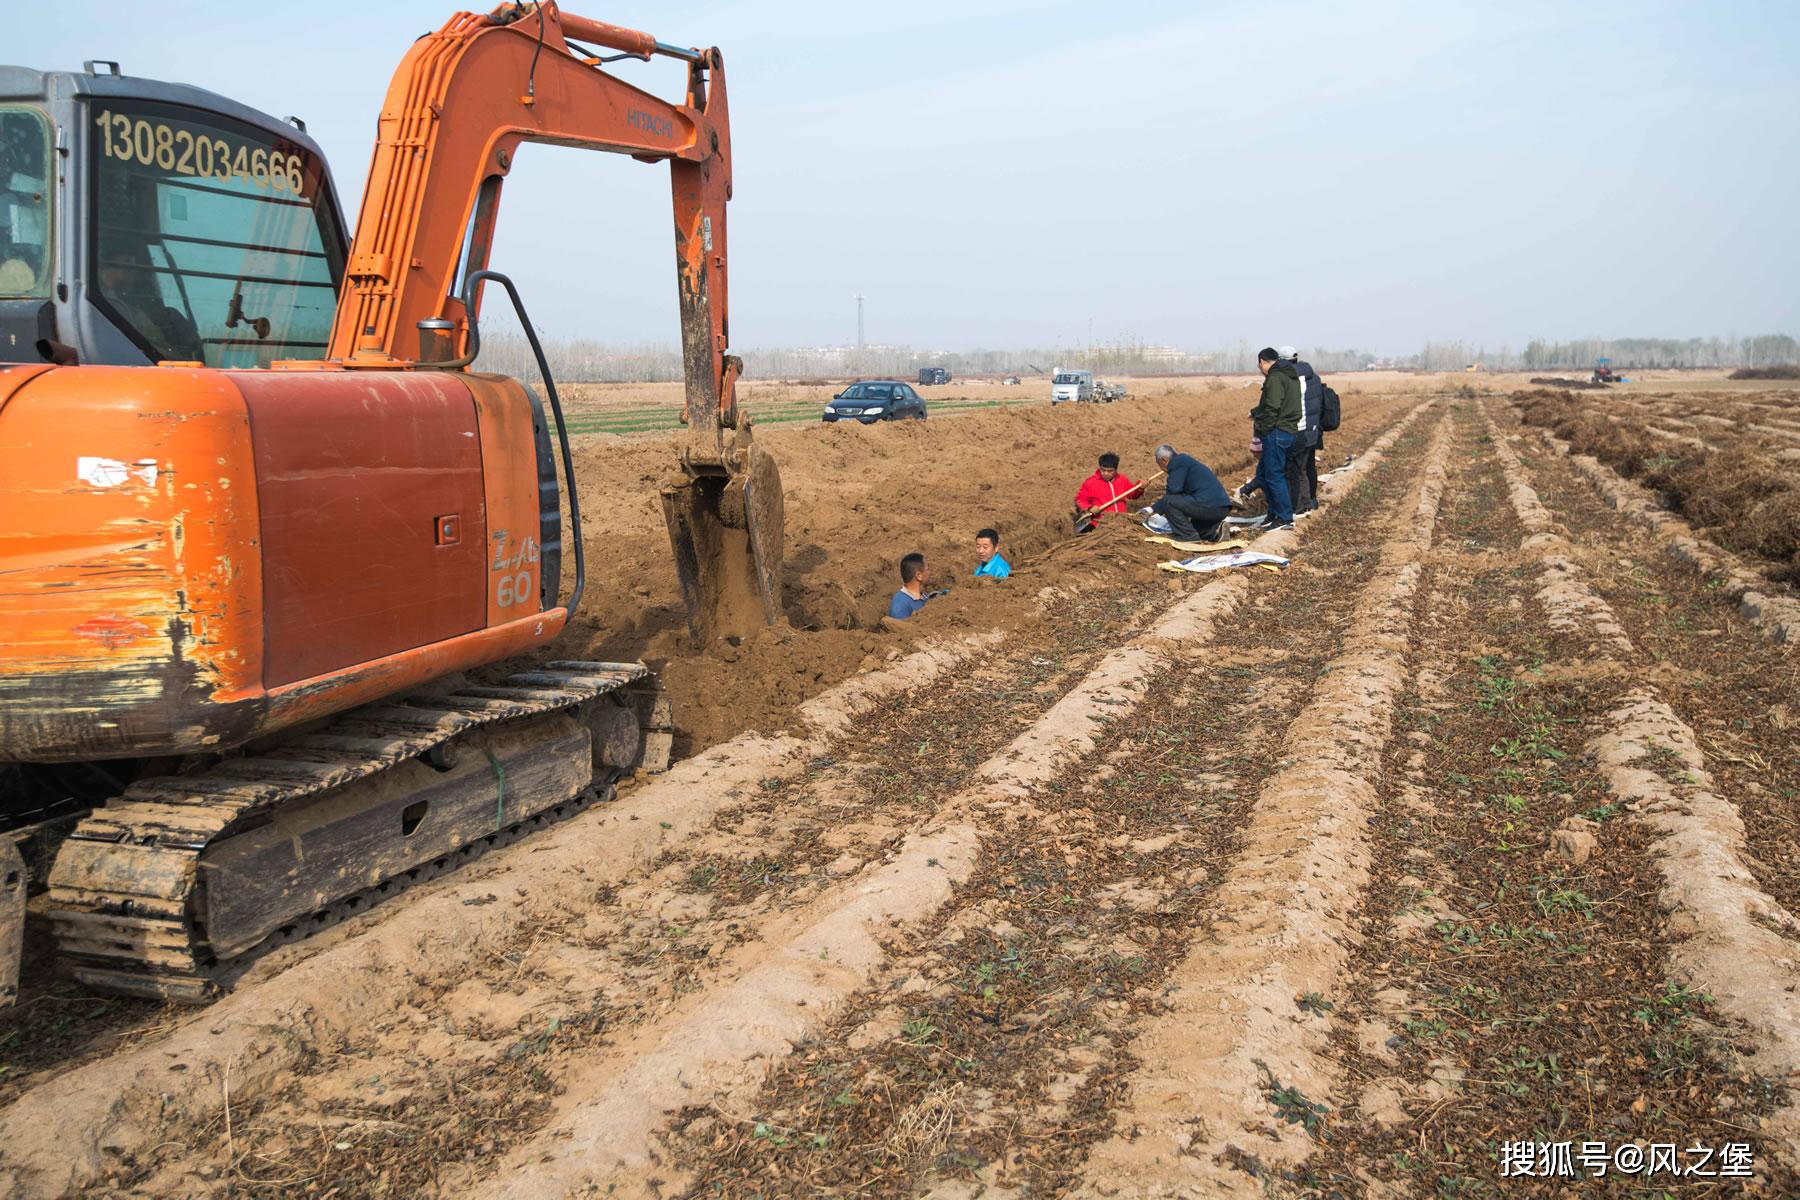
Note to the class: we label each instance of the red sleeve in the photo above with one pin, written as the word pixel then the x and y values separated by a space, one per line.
pixel 1091 495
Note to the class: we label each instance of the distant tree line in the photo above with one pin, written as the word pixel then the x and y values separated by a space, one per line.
pixel 595 362
pixel 1764 350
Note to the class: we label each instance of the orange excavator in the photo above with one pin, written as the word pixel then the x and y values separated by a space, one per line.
pixel 255 594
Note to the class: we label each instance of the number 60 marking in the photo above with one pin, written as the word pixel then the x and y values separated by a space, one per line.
pixel 513 589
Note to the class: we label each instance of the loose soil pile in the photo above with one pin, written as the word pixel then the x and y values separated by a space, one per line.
pixel 1765 373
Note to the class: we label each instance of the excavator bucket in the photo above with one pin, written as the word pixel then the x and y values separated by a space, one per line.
pixel 726 530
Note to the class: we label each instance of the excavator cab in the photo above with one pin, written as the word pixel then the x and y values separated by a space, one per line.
pixel 144 222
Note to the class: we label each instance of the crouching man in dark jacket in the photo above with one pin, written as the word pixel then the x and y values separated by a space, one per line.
pixel 1194 501
pixel 1276 421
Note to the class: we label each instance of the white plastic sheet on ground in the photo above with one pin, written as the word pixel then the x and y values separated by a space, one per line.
pixel 1219 562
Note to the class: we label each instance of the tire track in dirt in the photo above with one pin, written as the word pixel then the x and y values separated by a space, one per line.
pixel 1510 981
pixel 988 1043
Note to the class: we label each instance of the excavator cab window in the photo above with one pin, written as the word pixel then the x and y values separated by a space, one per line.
pixel 212 240
pixel 24 204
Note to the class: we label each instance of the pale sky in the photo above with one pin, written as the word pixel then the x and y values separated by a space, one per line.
pixel 1011 174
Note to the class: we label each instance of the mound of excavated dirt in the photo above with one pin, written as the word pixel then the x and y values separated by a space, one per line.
pixel 858 498
pixel 1765 373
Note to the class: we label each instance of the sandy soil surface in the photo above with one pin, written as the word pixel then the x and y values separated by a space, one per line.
pixel 1348 879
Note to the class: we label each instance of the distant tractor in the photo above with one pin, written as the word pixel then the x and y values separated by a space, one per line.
pixel 933 375
pixel 1603 372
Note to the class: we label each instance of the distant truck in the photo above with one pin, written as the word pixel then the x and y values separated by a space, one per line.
pixel 1106 392
pixel 933 375
pixel 1071 387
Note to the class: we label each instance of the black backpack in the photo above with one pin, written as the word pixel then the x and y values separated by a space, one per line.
pixel 1330 412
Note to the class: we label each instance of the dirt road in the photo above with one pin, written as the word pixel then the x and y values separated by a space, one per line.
pixel 1474 827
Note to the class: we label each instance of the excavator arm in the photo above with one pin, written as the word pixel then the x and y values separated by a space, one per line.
pixel 460 105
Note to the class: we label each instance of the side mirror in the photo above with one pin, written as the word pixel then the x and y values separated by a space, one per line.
pixel 837 395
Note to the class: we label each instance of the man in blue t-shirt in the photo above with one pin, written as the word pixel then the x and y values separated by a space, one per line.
pixel 911 597
pixel 987 549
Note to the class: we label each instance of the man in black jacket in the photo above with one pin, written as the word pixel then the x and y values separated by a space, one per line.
pixel 1194 500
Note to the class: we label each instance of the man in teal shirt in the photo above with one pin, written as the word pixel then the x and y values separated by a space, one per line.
pixel 987 549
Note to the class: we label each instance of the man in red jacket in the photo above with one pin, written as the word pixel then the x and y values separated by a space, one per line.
pixel 1102 491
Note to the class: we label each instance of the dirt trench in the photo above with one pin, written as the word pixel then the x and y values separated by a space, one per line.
pixel 858 498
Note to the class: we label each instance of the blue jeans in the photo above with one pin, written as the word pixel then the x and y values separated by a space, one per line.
pixel 1277 444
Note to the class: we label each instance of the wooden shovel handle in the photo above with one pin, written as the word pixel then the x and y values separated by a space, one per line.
pixel 1139 486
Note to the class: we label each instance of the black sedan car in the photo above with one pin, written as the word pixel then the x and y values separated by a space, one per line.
pixel 876 400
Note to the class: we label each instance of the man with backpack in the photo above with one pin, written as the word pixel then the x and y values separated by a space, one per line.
pixel 1303 464
pixel 1330 414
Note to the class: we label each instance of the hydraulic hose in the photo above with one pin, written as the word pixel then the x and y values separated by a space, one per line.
pixel 562 429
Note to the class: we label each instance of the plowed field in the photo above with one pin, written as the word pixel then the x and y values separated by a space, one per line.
pixel 1456 859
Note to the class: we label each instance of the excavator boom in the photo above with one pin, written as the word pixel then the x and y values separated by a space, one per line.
pixel 462 102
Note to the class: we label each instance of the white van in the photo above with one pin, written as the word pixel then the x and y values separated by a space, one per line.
pixel 1077 386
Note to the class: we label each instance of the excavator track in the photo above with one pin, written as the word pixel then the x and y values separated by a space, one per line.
pixel 180 880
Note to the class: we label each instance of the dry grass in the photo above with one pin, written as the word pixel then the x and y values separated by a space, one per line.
pixel 1740 493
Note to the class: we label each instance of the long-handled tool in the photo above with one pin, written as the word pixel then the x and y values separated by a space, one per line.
pixel 1085 521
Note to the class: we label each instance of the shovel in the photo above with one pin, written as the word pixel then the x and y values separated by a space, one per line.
pixel 1085 521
